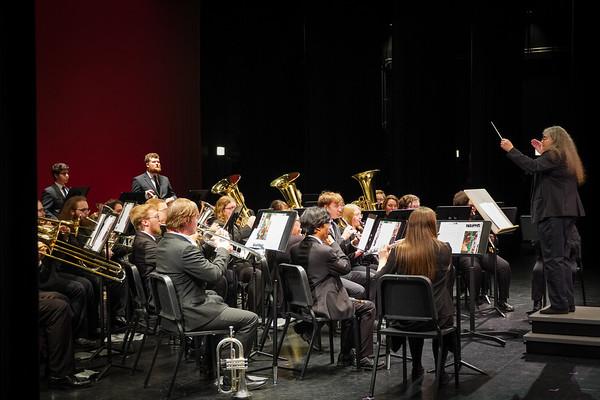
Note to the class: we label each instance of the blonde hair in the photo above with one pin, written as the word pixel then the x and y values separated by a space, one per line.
pixel 220 207
pixel 348 212
pixel 564 146
pixel 180 213
pixel 405 201
pixel 139 213
pixel 149 156
pixel 326 198
pixel 156 202
pixel 417 252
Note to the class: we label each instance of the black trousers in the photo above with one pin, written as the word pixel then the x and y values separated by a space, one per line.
pixel 55 325
pixel 559 240
pixel 486 263
pixel 365 311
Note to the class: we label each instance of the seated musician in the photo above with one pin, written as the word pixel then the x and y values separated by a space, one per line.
pixel 279 205
pixel 485 263
pixel 352 215
pixel 421 253
pixel 390 203
pixel 146 221
pixel 379 197
pixel 409 201
pixel 324 262
pixel 162 207
pixel 179 256
pixel 333 203
pixel 244 269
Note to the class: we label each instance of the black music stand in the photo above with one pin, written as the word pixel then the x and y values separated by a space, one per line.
pixel 457 213
pixel 466 238
pixel 78 191
pixel 271 235
pixel 98 242
pixel 133 197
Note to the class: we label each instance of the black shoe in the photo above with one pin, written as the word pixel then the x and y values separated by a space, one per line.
pixel 571 308
pixel 505 307
pixel 417 373
pixel 346 360
pixel 118 323
pixel 86 344
pixel 68 382
pixel 368 364
pixel 550 310
pixel 444 378
pixel 537 306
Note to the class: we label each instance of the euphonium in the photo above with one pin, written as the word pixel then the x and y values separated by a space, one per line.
pixel 229 186
pixel 49 231
pixel 236 364
pixel 206 213
pixel 287 187
pixel 368 200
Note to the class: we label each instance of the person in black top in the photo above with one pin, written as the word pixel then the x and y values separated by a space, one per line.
pixel 54 196
pixel 421 253
pixel 151 182
pixel 555 206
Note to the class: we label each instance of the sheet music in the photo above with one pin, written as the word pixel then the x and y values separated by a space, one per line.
pixel 496 215
pixel 269 232
pixel 386 234
pixel 102 236
pixel 364 239
pixel 463 237
pixel 124 218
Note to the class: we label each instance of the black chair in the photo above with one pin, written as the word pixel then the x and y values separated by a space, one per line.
pixel 171 323
pixel 142 315
pixel 299 301
pixel 409 298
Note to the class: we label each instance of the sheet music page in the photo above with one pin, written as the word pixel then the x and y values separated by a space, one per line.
pixel 385 234
pixel 463 237
pixel 103 234
pixel 124 218
pixel 269 231
pixel 362 244
pixel 496 215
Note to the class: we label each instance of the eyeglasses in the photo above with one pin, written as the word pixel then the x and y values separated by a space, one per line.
pixel 230 207
pixel 83 209
pixel 154 216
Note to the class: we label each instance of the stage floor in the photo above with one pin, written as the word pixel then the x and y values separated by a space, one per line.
pixel 511 374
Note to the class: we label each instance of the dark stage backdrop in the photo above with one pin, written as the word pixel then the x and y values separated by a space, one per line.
pixel 116 80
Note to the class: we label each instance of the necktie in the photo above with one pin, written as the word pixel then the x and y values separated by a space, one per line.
pixel 156 184
pixel 65 191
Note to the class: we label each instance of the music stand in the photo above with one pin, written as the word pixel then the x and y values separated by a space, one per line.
pixel 78 191
pixel 271 235
pixel 198 195
pixel 98 242
pixel 458 213
pixel 133 197
pixel 466 238
pixel 401 214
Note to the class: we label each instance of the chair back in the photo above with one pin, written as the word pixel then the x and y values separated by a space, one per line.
pixel 138 294
pixel 405 297
pixel 166 301
pixel 296 289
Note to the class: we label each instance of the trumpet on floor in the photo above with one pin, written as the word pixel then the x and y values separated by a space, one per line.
pixel 236 365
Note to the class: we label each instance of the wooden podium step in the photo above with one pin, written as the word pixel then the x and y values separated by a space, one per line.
pixel 575 334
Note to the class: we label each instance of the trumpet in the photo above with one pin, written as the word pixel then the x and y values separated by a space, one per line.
pixel 238 251
pixel 236 364
pixel 67 253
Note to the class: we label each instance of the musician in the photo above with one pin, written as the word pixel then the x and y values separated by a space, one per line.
pixel 76 208
pixel 151 182
pixel 179 257
pixel 555 206
pixel 333 203
pixel 244 269
pixel 352 216
pixel 145 219
pixel 486 262
pixel 409 201
pixel 279 205
pixel 421 253
pixel 390 203
pixel 324 262
pixel 54 196
pixel 379 197
pixel 162 207
pixel 79 291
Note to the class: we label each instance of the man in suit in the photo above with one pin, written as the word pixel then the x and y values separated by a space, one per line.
pixel 145 219
pixel 324 262
pixel 151 182
pixel 179 256
pixel 53 197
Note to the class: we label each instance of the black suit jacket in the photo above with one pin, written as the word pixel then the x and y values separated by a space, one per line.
pixel 190 272
pixel 142 182
pixel 554 191
pixel 143 253
pixel 53 200
pixel 324 266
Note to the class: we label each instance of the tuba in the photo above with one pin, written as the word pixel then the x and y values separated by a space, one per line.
pixel 236 364
pixel 49 231
pixel 368 200
pixel 287 187
pixel 229 186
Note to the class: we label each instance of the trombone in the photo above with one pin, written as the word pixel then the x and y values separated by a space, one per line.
pixel 67 253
